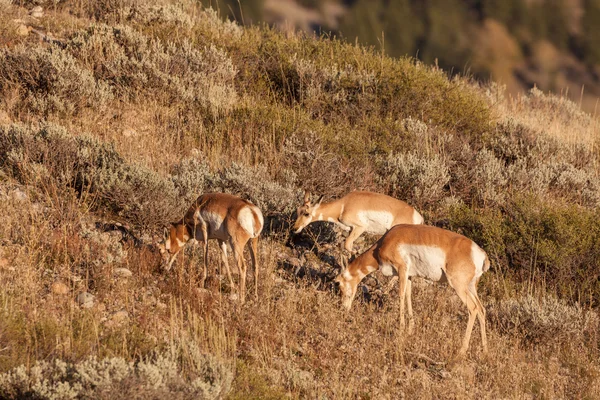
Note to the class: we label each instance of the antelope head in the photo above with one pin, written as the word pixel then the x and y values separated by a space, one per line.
pixel 306 213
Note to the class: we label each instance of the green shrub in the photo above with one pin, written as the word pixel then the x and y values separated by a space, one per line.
pixel 336 80
pixel 538 242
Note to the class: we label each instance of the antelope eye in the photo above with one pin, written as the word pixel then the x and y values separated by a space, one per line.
pixel 306 214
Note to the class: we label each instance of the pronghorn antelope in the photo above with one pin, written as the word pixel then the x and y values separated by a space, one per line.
pixel 426 251
pixel 223 217
pixel 358 212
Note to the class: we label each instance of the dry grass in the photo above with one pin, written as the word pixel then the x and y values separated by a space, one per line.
pixel 99 152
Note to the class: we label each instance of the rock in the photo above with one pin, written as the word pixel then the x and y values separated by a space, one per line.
pixel 129 132
pixel 294 262
pixel 22 30
pixel 37 12
pixel 122 273
pixel 18 195
pixel 445 374
pixel 233 297
pixel 4 117
pixel 4 263
pixel 59 288
pixel 117 318
pixel 85 300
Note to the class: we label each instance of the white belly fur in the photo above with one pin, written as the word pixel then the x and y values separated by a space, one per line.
pixel 377 222
pixel 425 261
pixel 387 269
pixel 216 228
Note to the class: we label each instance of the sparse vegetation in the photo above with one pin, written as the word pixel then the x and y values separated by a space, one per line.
pixel 109 130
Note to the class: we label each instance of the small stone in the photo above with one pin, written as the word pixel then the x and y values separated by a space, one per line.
pixel 122 273
pixel 18 195
pixel 3 263
pixel 445 374
pixel 85 299
pixel 37 12
pixel 294 262
pixel 129 132
pixel 22 30
pixel 233 297
pixel 4 117
pixel 118 318
pixel 59 288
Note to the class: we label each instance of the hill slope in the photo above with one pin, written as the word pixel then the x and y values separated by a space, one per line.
pixel 115 115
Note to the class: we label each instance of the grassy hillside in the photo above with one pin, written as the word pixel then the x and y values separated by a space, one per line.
pixel 550 44
pixel 115 115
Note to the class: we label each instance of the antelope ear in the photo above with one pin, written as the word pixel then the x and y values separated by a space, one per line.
pixel 306 197
pixel 166 233
pixel 320 199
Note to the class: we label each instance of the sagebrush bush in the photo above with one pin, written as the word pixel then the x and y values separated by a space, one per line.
pixel 255 184
pixel 419 179
pixel 51 81
pixel 137 66
pixel 544 321
pixel 490 177
pixel 134 192
pixel 309 164
pixel 154 376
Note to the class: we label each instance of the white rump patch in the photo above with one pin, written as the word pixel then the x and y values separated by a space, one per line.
pixel 417 218
pixel 246 220
pixel 377 222
pixel 258 213
pixel 425 261
pixel 478 257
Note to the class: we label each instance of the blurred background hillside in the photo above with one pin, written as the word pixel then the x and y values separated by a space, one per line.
pixel 551 44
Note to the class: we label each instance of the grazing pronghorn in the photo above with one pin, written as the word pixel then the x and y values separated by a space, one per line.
pixel 429 252
pixel 358 212
pixel 223 217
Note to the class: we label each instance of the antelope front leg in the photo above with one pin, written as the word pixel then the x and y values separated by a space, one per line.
pixel 169 264
pixel 204 272
pixel 403 285
pixel 411 322
pixel 354 234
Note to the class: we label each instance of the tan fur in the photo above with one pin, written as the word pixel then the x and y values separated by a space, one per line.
pixel 348 210
pixel 215 216
pixel 397 248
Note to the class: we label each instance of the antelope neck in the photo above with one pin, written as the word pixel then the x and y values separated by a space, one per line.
pixel 329 210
